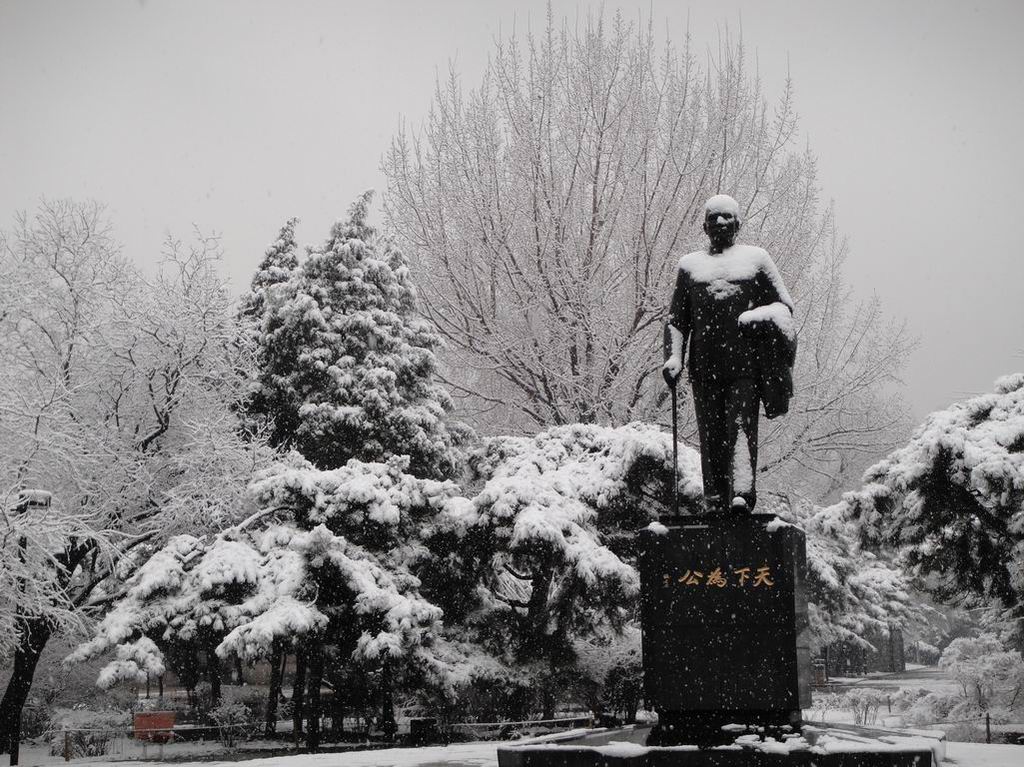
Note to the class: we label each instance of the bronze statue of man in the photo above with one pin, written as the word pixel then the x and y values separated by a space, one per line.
pixel 732 309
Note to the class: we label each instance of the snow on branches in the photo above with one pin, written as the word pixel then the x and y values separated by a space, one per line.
pixel 547 528
pixel 951 501
pixel 461 585
pixel 351 496
pixel 343 554
pixel 117 397
pixel 345 363
pixel 244 594
pixel 136 662
pixel 277 267
pixel 853 593
pixel 546 207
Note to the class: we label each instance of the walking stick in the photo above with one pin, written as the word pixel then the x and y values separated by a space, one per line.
pixel 672 383
pixel 675 450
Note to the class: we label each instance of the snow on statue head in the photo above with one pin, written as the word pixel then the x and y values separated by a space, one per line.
pixel 722 203
pixel 721 221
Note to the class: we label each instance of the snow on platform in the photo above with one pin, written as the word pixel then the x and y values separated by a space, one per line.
pixel 485 754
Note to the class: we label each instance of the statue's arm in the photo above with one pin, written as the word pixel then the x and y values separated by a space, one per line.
pixel 774 288
pixel 677 327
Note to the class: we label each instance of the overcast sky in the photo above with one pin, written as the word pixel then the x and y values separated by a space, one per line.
pixel 236 115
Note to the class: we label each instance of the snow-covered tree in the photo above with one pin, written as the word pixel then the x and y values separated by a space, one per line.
pixel 546 210
pixel 277 267
pixel 951 502
pixel 853 593
pixel 377 513
pixel 610 668
pixel 984 669
pixel 542 554
pixel 538 564
pixel 115 402
pixel 325 566
pixel 346 365
pixel 266 290
pixel 990 679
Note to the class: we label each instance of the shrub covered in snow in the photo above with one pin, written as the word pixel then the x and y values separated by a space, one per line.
pixel 234 721
pixel 991 683
pixel 239 595
pixel 989 676
pixel 824 702
pixel 865 703
pixel 548 537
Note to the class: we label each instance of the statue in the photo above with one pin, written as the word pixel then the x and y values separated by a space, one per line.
pixel 732 309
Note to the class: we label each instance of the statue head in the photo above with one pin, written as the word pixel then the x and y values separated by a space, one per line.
pixel 721 221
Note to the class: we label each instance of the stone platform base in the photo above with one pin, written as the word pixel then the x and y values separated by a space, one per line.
pixel 814 748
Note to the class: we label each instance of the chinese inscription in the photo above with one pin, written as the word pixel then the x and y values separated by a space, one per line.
pixel 740 577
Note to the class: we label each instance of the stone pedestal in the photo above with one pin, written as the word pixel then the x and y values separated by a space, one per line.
pixel 724 639
pixel 819 748
pixel 724 616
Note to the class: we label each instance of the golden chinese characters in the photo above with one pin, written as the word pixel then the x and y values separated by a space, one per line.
pixel 720 578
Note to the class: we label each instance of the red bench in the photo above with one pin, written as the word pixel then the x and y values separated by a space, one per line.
pixel 155 726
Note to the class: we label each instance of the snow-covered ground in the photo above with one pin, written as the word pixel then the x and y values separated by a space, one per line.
pixel 984 755
pixel 484 754
pixel 931 678
pixel 475 753
pixel 470 754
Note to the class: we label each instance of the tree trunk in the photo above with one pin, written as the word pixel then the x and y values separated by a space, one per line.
pixel 298 690
pixel 538 643
pixel 387 715
pixel 239 679
pixel 313 712
pixel 275 689
pixel 538 613
pixel 213 673
pixel 337 716
pixel 37 634
pixel 549 702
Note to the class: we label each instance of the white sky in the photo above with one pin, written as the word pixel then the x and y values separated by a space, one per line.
pixel 236 115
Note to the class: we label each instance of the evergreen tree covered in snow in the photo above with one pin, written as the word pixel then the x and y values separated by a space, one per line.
pixel 483 597
pixel 240 592
pixel 264 407
pixel 277 267
pixel 952 501
pixel 324 570
pixel 853 593
pixel 542 555
pixel 347 365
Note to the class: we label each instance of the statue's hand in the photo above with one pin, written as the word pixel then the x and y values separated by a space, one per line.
pixel 671 369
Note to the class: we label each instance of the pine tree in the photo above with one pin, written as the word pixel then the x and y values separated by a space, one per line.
pixel 327 568
pixel 262 405
pixel 324 570
pixel 951 502
pixel 277 267
pixel 543 555
pixel 346 365
pixel 853 593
